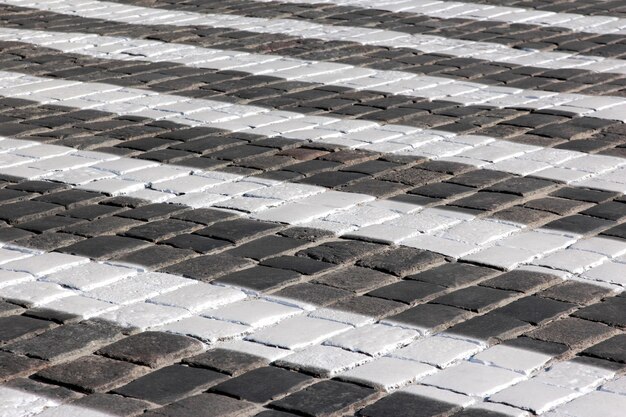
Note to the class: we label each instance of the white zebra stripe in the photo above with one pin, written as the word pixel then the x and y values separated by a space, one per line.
pixel 390 82
pixel 575 168
pixel 485 12
pixel 299 28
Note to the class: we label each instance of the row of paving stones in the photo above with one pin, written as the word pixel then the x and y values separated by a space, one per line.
pixel 614 8
pixel 371 56
pixel 535 127
pixel 516 35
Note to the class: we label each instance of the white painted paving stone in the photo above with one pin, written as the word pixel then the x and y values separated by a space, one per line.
pixel 8 255
pixel 16 403
pixel 574 376
pixel 499 408
pixel 617 386
pixel 608 272
pixel 207 330
pixel 80 306
pixel 353 319
pixel 571 260
pixel 139 287
pixel 515 359
pixel 91 275
pixel 439 351
pixel 501 257
pixel 326 361
pixel 604 245
pixel 388 373
pixel 594 404
pixel 198 297
pixel 143 316
pixel 11 278
pixel 255 312
pixel 438 394
pixel 298 332
pixel 373 339
pixel 473 379
pixel 534 396
pixel 43 264
pixel 34 293
pixel 270 353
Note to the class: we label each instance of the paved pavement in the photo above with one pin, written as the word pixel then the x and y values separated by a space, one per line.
pixel 304 208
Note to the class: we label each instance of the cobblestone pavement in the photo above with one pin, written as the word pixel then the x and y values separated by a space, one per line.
pixel 391 208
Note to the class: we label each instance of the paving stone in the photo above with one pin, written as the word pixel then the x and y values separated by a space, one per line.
pixel 603 403
pixel 230 362
pixel 207 267
pixel 315 295
pixel 151 212
pixel 15 366
pixel 299 264
pixel 196 242
pixel 572 332
pixel 325 398
pixel 259 278
pixel 610 311
pixel 580 224
pixel 401 261
pixel 14 328
pixel 298 332
pixel 409 405
pixel 387 373
pixel 490 327
pixel 453 275
pixel 254 312
pixel 153 349
pixel 340 251
pixel 237 231
pixel 105 247
pixel 265 247
pixel 373 340
pixel 521 186
pixel 368 306
pixel 263 384
pixel 407 291
pixel 355 279
pixel 522 281
pixel 92 374
pixel 170 384
pixel 67 341
pixel 611 349
pixel 535 310
pixel 534 396
pixel 429 317
pixel 204 405
pixel 477 299
pixel 113 404
pixel 576 292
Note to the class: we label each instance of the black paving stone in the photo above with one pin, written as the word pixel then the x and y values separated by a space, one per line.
pixel 151 212
pixel 14 328
pixel 161 229
pixel 580 224
pixel 407 405
pixel 265 247
pixel 299 264
pixel 477 299
pixel 407 291
pixel 92 374
pixel 263 384
pixel 613 349
pixel 237 231
pixel 229 362
pixel 611 311
pixel 535 310
pixel 401 261
pixel 104 247
pixel 324 398
pixel 27 210
pixel 170 384
pixel 430 316
pixel 153 349
pixel 103 226
pixel 204 405
pixel 196 243
pixel 521 186
pixel 490 327
pixel 368 306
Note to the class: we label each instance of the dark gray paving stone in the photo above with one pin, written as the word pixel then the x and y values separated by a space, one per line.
pixel 306 233
pixel 315 294
pixel 40 187
pixel 104 247
pixel 454 275
pixel 522 281
pixel 523 215
pixel 609 211
pixel 274 413
pixel 204 405
pixel 368 306
pixel 407 405
pixel 617 231
pixel 15 366
pixel 535 310
pixel 67 341
pixel 170 384
pixel 153 349
pixel 576 292
pixel 340 251
pixel 113 404
pixel 204 216
pixel 299 264
pixel 98 211
pixel 54 393
pixel 443 190
pixel 71 198
pixel 9 309
pixel 208 267
pixel 407 291
pixel 431 316
pixel 260 278
pixel 48 241
pixel 104 226
pixel 526 343
pixel 613 349
pixel 582 194
pixel 490 327
pixel 92 373
pixel 477 299
pixel 238 230
pixel 559 206
pixel 580 224
pixel 401 261
pixel 226 361
pixel 355 279
pixel 49 224
pixel 196 243
pixel 486 201
pixel 14 328
pixel 572 332
pixel 151 212
pixel 521 186
pixel 266 247
pixel 611 311
pixel 27 210
pixel 325 398
pixel 155 257
pixel 161 229
pixel 479 178
pixel 476 412
pixel 263 384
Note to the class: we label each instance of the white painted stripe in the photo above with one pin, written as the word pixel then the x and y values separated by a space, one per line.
pixel 575 168
pixel 300 28
pixel 455 234
pixel 386 356
pixel 394 82
pixel 486 12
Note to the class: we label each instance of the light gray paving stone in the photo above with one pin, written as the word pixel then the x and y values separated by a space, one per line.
pixel 145 315
pixel 80 306
pixel 34 293
pixel 8 278
pixel 574 376
pixel 534 396
pixel 90 275
pixel 46 263
pixel 207 330
pixel 374 339
pixel 199 296
pixel 388 373
pixel 437 350
pixel 593 404
pixel 326 361
pixel 519 360
pixel 255 312
pixel 298 332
